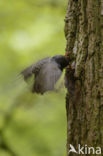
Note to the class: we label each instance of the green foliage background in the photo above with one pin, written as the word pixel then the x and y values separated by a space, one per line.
pixel 30 125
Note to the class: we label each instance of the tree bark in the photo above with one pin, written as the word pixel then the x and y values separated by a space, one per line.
pixel 84 100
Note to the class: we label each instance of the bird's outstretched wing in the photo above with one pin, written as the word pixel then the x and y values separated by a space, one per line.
pixel 34 68
pixel 47 78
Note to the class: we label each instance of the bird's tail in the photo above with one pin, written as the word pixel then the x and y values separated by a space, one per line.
pixel 28 76
pixel 27 73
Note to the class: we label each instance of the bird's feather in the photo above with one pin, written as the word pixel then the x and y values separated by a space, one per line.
pixel 34 68
pixel 47 78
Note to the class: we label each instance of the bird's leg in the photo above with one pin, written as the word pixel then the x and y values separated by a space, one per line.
pixel 70 78
pixel 71 67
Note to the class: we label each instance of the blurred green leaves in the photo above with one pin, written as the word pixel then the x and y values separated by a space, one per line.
pixel 31 124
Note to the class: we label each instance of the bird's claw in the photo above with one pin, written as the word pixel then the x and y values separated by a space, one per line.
pixel 71 66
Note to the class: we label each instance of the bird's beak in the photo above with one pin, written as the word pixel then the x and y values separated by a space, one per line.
pixel 67 54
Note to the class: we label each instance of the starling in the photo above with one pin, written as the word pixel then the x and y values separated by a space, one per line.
pixel 46 73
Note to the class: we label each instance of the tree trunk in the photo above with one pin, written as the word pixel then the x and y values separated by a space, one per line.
pixel 84 100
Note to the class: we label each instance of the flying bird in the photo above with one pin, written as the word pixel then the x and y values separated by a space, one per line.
pixel 46 73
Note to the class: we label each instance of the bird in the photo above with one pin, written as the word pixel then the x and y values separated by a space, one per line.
pixel 46 73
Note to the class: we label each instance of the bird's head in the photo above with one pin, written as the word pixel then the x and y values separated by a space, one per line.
pixel 61 60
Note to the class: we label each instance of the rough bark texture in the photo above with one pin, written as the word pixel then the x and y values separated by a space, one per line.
pixel 84 101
